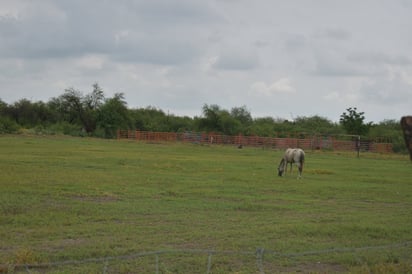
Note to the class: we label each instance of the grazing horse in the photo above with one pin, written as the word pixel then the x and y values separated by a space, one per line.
pixel 292 156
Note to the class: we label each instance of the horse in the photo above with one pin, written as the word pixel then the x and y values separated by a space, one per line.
pixel 406 124
pixel 292 156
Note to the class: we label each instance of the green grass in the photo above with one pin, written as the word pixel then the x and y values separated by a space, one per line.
pixel 68 198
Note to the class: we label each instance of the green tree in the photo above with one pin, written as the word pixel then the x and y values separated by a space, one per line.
pixel 262 126
pixel 7 124
pixel 211 118
pixel 149 118
pixel 216 119
pixel 78 109
pixel 22 112
pixel 113 115
pixel 316 125
pixel 3 107
pixel 91 104
pixel 243 116
pixel 228 124
pixel 28 114
pixel 95 99
pixel 353 122
pixel 69 105
pixel 179 124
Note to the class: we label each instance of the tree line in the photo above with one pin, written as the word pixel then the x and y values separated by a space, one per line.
pixel 93 114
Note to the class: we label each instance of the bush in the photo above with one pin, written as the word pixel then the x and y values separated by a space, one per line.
pixel 399 146
pixel 67 129
pixel 101 133
pixel 8 125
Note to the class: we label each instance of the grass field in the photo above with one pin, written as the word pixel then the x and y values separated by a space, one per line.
pixel 66 199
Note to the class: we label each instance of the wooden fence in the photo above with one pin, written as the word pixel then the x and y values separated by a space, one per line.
pixel 316 142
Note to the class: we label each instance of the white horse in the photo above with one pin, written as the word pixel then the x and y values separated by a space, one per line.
pixel 292 156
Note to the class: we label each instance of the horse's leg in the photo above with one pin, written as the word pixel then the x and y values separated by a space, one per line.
pixel 300 166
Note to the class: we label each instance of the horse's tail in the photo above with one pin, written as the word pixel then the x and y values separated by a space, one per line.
pixel 302 157
pixel 301 162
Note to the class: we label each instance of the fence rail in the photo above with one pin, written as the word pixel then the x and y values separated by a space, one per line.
pixel 341 143
pixel 260 256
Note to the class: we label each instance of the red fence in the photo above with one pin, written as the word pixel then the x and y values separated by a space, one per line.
pixel 304 142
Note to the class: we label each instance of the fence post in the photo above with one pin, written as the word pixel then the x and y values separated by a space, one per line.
pixel 106 265
pixel 259 259
pixel 157 263
pixel 209 263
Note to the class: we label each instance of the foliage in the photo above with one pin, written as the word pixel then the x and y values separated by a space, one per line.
pixel 113 115
pixel 8 125
pixel 149 119
pixel 264 127
pixel 388 131
pixel 92 114
pixel 244 118
pixel 81 109
pixel 216 119
pixel 211 120
pixel 317 125
pixel 28 114
pixel 353 122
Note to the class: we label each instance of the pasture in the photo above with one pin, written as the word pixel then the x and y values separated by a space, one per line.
pixel 69 199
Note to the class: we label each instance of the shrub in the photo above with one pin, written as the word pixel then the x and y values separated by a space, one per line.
pixel 8 125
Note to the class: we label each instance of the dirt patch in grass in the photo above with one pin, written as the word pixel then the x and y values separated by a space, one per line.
pixel 105 198
pixel 319 171
pixel 63 244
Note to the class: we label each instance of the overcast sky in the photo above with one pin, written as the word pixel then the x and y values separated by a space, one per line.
pixel 282 59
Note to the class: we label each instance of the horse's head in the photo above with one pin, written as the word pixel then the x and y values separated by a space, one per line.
pixel 280 172
pixel 281 167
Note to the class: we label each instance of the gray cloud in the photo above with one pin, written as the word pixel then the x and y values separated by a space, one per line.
pixel 379 58
pixel 152 31
pixel 334 34
pixel 295 42
pixel 155 50
pixel 179 54
pixel 357 64
pixel 233 59
pixel 45 31
pixel 387 91
pixel 336 64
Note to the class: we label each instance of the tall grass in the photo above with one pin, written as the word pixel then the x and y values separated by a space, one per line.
pixel 73 198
